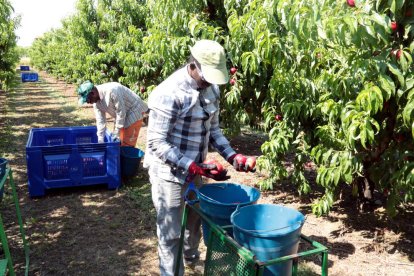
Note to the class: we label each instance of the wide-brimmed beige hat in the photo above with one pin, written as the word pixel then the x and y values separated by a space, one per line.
pixel 210 54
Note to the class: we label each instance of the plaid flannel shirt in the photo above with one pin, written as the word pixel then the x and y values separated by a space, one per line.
pixel 121 103
pixel 182 122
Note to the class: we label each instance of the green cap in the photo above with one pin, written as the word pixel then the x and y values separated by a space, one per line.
pixel 210 54
pixel 83 91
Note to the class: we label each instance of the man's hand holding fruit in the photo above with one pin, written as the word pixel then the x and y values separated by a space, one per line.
pixel 209 168
pixel 242 163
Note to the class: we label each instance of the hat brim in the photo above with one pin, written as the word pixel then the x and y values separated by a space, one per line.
pixel 215 75
pixel 81 101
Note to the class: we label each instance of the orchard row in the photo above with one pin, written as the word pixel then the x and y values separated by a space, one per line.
pixel 331 81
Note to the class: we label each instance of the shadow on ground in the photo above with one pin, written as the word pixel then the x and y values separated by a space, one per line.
pixel 79 230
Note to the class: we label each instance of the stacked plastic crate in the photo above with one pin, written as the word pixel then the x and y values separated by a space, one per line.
pixel 28 76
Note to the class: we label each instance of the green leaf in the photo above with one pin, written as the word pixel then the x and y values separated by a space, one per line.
pixel 369 132
pixel 387 85
pixel 412 129
pixel 408 113
pixel 397 73
pixel 363 137
pixel 337 176
pixel 403 62
pixel 412 47
pixel 380 19
pixel 376 99
pixel 393 6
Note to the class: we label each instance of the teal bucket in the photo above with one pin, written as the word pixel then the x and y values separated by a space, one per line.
pixel 130 160
pixel 3 167
pixel 269 231
pixel 218 201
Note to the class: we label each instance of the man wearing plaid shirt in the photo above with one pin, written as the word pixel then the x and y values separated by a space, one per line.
pixel 120 103
pixel 183 121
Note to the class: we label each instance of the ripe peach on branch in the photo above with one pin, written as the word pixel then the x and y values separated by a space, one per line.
pixel 394 26
pixel 351 3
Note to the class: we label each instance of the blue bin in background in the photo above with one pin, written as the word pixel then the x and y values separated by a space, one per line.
pixel 29 77
pixel 219 200
pixel 3 166
pixel 69 157
pixel 269 231
pixel 130 160
pixel 24 68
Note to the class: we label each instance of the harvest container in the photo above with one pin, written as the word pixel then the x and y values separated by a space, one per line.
pixel 270 231
pixel 26 77
pixel 130 159
pixel 24 68
pixel 219 200
pixel 69 157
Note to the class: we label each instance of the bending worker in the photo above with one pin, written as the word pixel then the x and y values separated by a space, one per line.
pixel 183 121
pixel 119 102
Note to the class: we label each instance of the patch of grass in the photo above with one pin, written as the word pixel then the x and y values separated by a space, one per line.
pixel 139 191
pixel 6 131
pixel 306 270
pixel 7 199
pixel 70 108
pixel 141 145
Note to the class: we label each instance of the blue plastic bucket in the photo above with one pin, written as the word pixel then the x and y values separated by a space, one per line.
pixel 269 231
pixel 218 201
pixel 3 165
pixel 130 160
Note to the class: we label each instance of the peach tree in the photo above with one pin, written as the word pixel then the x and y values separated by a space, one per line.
pixel 8 49
pixel 334 83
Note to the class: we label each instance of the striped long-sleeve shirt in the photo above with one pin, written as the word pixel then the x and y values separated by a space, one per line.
pixel 120 103
pixel 182 122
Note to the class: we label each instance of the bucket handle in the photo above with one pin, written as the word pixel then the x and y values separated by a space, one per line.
pixel 221 185
pixel 209 198
pixel 226 227
pixel 191 189
pixel 265 231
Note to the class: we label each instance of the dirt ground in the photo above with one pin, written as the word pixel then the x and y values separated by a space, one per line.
pixel 95 231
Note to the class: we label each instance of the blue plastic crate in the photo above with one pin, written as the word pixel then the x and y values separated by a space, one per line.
pixel 72 156
pixel 24 68
pixel 26 77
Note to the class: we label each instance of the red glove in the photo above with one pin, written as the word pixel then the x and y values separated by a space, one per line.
pixel 201 169
pixel 219 173
pixel 242 163
pixel 206 170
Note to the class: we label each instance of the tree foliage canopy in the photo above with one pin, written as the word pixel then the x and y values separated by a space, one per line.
pixel 8 49
pixel 341 77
